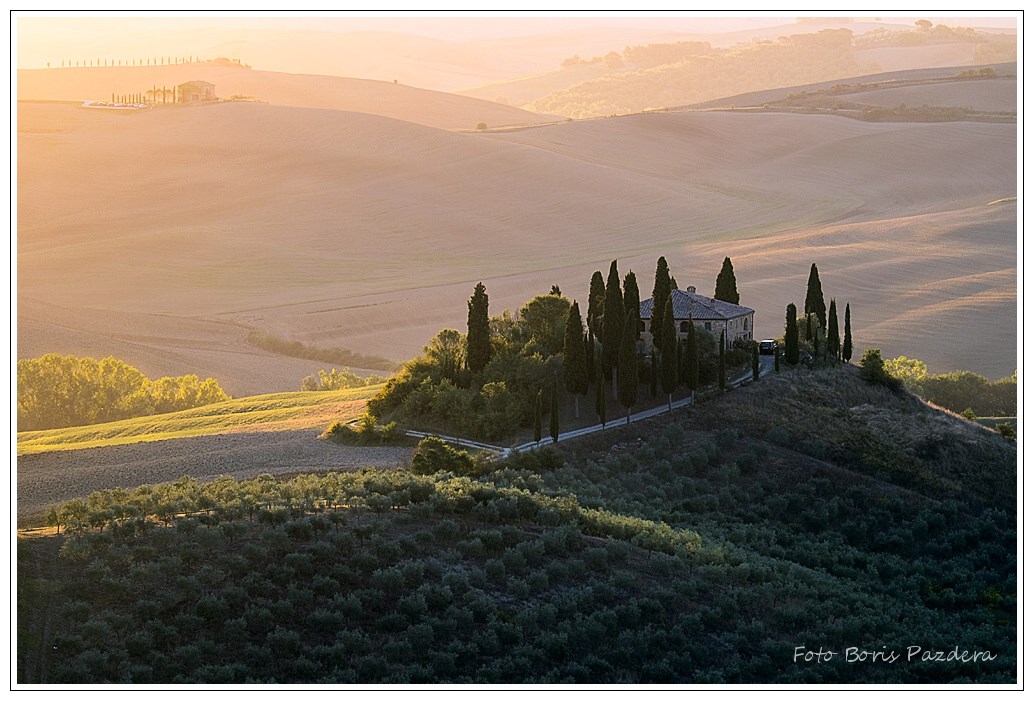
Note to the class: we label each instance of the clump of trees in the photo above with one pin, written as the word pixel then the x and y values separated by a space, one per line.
pixel 484 383
pixel 958 390
pixel 497 379
pixel 56 391
pixel 365 431
pixel 338 379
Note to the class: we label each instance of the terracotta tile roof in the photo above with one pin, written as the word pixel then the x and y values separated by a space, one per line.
pixel 687 304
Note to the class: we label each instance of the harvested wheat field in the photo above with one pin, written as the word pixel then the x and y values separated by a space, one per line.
pixel 354 230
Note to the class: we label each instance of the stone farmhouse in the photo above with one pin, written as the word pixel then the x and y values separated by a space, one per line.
pixel 195 91
pixel 712 315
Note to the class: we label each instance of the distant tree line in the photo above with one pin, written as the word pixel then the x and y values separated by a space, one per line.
pixel 335 356
pixel 55 391
pixel 336 379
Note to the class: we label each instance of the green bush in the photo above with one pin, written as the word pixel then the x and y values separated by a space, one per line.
pixel 434 455
pixel 366 432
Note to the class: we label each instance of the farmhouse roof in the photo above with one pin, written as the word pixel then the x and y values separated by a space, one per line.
pixel 197 84
pixel 687 305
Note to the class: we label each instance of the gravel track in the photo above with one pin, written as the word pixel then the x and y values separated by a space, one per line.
pixel 55 477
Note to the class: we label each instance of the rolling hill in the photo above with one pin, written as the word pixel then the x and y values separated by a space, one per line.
pixel 352 230
pixel 808 507
pixel 436 109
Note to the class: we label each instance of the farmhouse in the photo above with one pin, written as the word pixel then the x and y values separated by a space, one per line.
pixel 709 314
pixel 195 91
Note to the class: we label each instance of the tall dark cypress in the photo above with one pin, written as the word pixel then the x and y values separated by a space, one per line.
pixel 692 362
pixel 653 375
pixel 791 341
pixel 597 301
pixel 845 352
pixel 833 336
pixel 576 374
pixel 721 363
pixel 669 363
pixel 661 292
pixel 725 284
pixel 755 362
pixel 554 413
pixel 813 302
pixel 613 324
pixel 628 367
pixel 631 296
pixel 479 341
pixel 590 355
pixel 778 352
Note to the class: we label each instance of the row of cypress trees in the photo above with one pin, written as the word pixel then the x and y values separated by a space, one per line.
pixel 613 321
pixel 827 332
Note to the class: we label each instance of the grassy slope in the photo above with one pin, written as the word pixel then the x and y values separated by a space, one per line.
pixel 810 536
pixel 267 412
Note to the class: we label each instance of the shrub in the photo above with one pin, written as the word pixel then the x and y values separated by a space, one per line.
pixel 366 432
pixel 435 455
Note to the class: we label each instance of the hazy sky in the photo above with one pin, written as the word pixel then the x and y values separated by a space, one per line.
pixel 43 37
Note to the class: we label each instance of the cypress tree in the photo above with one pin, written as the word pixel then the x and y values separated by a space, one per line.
pixel 597 300
pixel 755 362
pixel 590 355
pixel 628 370
pixel 613 325
pixel 479 342
pixel 813 302
pixel 777 357
pixel 631 297
pixel 692 362
pixel 721 363
pixel 661 292
pixel 601 400
pixel 576 374
pixel 538 417
pixel 845 352
pixel 725 284
pixel 554 412
pixel 669 362
pixel 833 337
pixel 653 375
pixel 791 340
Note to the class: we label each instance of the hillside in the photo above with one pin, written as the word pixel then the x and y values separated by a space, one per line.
pixel 435 109
pixel 809 509
pixel 341 229
pixel 709 72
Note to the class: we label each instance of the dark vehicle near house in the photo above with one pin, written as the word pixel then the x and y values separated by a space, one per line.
pixel 767 347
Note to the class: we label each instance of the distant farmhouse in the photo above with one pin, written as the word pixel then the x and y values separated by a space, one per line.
pixel 712 315
pixel 195 91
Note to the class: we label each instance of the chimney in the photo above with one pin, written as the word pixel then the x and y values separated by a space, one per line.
pixel 692 290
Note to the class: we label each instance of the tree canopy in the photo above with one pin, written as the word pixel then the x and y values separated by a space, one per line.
pixel 661 292
pixel 813 302
pixel 479 345
pixel 725 284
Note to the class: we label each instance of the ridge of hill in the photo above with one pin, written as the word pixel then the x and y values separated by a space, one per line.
pixel 403 102
pixel 886 79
